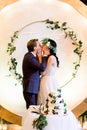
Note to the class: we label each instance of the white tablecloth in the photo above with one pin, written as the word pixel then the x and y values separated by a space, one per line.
pixel 55 122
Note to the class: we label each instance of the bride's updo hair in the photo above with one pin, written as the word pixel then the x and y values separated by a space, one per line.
pixel 51 44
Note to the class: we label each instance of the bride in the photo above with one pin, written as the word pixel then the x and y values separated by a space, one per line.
pixel 48 81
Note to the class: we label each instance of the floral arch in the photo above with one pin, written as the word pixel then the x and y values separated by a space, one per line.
pixel 52 25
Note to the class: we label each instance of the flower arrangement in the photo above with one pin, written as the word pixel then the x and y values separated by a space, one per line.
pixel 40 122
pixel 48 44
pixel 53 25
pixel 54 105
pixel 12 63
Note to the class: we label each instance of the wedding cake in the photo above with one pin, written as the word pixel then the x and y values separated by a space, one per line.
pixel 50 115
pixel 54 104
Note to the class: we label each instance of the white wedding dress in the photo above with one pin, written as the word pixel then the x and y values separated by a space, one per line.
pixel 48 81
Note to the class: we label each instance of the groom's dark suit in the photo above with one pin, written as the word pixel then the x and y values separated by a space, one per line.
pixel 31 75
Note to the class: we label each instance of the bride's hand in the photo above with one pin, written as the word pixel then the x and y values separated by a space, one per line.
pixel 43 73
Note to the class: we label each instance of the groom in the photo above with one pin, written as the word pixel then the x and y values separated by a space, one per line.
pixel 32 64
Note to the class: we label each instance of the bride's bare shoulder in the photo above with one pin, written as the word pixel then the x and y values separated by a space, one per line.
pixel 52 59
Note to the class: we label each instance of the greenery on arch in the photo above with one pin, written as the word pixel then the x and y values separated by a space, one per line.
pixel 53 25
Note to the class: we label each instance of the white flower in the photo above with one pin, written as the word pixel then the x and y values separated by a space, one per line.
pixel 48 44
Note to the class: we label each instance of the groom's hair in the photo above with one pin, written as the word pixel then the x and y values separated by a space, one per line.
pixel 31 44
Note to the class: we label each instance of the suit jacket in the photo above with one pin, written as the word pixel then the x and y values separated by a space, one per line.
pixel 31 72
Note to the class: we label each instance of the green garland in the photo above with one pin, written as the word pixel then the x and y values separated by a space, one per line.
pixel 12 63
pixel 53 25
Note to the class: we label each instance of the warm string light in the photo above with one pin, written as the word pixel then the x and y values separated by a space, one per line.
pixel 85 125
pixel 2 125
pixel 83 121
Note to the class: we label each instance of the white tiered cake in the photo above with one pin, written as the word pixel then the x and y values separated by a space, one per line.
pixel 54 104
pixel 51 115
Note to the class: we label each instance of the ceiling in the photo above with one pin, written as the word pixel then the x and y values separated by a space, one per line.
pixel 77 4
